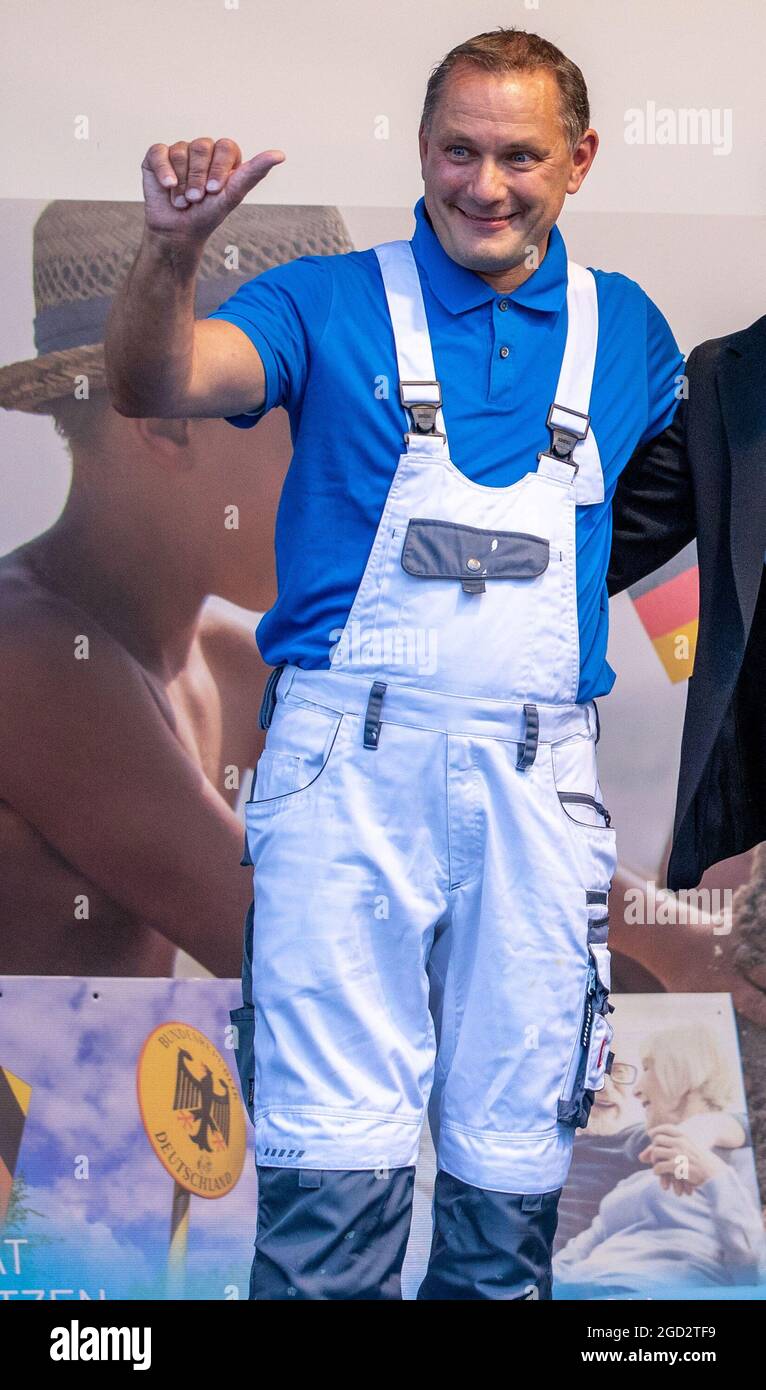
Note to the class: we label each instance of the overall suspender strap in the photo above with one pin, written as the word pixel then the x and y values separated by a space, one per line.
pixel 419 391
pixel 578 363
pixel 573 454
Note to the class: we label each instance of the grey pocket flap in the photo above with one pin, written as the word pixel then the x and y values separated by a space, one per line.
pixel 446 550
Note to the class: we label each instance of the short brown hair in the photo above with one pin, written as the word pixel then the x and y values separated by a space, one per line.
pixel 514 50
pixel 77 421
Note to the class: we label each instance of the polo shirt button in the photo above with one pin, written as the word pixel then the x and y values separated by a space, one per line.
pixel 503 304
pixel 504 351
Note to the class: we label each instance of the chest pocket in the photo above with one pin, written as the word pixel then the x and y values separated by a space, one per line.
pixel 446 550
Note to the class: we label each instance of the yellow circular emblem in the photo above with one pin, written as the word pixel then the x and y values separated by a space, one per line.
pixel 191 1110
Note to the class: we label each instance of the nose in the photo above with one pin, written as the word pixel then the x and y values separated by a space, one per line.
pixel 488 186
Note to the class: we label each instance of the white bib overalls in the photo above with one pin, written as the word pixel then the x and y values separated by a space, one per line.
pixel 432 857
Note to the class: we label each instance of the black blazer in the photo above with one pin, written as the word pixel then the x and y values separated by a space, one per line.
pixel 705 476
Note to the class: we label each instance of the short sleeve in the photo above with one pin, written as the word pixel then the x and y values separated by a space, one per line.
pixel 283 311
pixel 664 364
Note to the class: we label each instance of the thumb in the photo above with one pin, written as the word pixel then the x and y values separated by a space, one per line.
pixel 250 172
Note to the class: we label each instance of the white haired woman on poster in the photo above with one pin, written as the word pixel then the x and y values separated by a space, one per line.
pixel 690 1220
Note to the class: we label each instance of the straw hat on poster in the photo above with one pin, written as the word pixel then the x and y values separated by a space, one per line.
pixel 83 251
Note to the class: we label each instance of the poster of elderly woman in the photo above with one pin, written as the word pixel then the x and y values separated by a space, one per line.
pixel 662 1199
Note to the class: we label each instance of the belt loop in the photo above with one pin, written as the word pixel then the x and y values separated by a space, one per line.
pixel 598 721
pixel 372 714
pixel 531 734
pixel 266 712
pixel 246 859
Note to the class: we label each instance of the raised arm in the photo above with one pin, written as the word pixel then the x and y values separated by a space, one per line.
pixel 161 361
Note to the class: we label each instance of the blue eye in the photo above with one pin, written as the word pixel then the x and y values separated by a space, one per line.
pixel 520 157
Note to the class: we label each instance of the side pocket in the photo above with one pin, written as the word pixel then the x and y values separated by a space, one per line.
pixel 243 1021
pixel 299 746
pixel 575 777
pixel 275 774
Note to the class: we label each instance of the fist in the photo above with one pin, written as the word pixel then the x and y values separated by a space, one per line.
pixel 191 186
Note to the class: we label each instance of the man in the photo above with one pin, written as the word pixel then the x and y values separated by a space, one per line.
pixel 705 477
pixel 432 856
pixel 129 701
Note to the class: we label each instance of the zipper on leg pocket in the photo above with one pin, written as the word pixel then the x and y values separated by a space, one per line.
pixel 583 799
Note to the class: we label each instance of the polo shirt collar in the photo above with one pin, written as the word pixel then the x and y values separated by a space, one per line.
pixel 458 288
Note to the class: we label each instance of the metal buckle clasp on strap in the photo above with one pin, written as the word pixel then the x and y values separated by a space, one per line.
pixel 423 399
pixel 568 428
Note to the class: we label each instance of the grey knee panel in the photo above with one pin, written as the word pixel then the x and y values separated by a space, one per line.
pixel 324 1234
pixel 489 1244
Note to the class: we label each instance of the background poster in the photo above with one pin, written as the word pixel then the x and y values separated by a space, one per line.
pixel 86 1206
pixel 91 1208
pixel 89 1157
pixel 621 1232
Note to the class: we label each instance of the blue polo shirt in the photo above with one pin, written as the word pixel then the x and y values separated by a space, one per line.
pixel 322 328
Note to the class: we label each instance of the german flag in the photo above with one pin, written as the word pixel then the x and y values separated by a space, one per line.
pixel 14 1104
pixel 667 602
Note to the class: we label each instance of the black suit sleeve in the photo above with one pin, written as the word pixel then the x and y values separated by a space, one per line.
pixel 653 509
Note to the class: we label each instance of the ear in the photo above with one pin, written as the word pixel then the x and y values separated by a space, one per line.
pixel 582 159
pixel 166 440
pixel 423 147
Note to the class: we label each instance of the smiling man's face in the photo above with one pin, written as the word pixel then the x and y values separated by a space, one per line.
pixel 496 168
